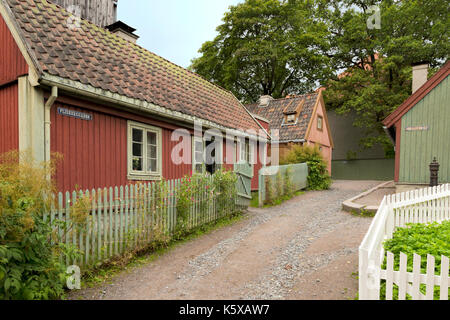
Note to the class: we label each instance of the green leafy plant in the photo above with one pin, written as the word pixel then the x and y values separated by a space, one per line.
pixel 199 192
pixel 31 255
pixel 318 176
pixel 421 239
pixel 282 190
pixel 288 186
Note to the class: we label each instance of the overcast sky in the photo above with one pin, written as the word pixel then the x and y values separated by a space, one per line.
pixel 174 29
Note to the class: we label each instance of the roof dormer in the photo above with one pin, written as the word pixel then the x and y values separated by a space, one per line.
pixel 292 112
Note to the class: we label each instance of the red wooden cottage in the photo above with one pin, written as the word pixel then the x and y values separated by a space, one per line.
pixel 115 111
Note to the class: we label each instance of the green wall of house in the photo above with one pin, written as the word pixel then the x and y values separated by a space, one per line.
pixel 367 169
pixel 425 134
pixel 350 162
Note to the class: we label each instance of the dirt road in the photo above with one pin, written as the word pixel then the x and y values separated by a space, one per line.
pixel 304 249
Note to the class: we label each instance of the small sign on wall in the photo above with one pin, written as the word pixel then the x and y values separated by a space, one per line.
pixel 417 128
pixel 75 114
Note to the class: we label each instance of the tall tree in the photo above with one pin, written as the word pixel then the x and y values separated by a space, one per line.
pixel 377 62
pixel 265 47
pixel 281 47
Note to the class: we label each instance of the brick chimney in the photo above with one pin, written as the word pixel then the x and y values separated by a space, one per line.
pixel 123 30
pixel 420 75
pixel 264 101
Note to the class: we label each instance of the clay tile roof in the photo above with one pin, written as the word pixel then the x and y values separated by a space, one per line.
pixel 94 56
pixel 277 109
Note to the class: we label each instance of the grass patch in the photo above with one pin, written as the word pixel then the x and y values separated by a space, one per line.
pixel 254 203
pixel 107 272
pixel 363 213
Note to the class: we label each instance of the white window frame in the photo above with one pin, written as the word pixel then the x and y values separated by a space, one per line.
pixel 194 163
pixel 320 121
pixel 218 154
pixel 144 175
pixel 243 156
pixel 289 116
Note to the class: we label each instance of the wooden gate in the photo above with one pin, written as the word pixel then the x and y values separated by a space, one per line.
pixel 244 172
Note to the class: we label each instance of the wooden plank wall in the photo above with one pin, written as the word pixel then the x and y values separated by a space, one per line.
pixel 424 135
pixel 12 63
pixel 99 12
pixel 9 118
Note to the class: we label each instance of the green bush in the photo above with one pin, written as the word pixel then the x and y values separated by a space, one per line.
pixel 221 188
pixel 31 258
pixel 283 189
pixel 318 177
pixel 421 239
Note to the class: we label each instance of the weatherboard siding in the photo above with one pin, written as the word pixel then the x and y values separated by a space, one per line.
pixel 12 63
pixel 419 146
pixel 94 152
pixel 9 118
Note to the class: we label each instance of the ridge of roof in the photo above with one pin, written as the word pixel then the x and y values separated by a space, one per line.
pixel 417 96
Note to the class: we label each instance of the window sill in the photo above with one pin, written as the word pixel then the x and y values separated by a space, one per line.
pixel 144 177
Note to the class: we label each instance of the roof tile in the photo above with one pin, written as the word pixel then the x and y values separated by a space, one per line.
pixel 95 56
pixel 276 110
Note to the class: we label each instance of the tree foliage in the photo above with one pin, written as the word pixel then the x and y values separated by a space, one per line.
pixel 374 65
pixel 265 47
pixel 283 47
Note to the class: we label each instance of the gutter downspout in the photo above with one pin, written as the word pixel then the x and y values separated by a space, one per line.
pixel 47 123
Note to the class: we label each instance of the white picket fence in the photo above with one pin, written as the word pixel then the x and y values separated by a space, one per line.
pixel 417 206
pixel 127 218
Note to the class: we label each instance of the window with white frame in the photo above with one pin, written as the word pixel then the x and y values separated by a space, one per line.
pixel 320 123
pixel 206 155
pixel 144 151
pixel 290 118
pixel 246 151
pixel 197 155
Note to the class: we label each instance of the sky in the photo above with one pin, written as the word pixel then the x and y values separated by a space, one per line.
pixel 174 29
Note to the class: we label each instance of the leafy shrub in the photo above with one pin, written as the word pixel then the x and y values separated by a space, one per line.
pixel 318 177
pixel 31 257
pixel 281 190
pixel 221 188
pixel 224 183
pixel 421 239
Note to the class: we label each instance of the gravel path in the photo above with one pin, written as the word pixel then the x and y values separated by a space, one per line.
pixel 304 249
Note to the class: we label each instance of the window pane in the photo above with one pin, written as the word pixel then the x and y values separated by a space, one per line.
pixel 137 135
pixel 137 164
pixel 198 168
pixel 137 149
pixel 152 152
pixel 198 157
pixel 152 165
pixel 198 146
pixel 151 138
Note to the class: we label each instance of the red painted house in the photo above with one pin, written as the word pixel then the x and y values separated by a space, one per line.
pixel 115 111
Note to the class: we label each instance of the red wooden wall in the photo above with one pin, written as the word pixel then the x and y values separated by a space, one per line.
pixel 95 152
pixel 12 63
pixel 9 118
